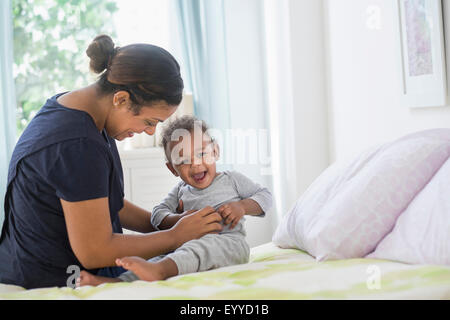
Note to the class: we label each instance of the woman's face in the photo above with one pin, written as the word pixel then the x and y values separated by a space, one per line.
pixel 123 123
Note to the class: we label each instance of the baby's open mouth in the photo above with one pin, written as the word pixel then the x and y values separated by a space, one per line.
pixel 199 176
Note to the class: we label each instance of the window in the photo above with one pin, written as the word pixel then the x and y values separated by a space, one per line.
pixel 51 36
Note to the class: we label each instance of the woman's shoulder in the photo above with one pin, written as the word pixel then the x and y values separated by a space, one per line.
pixel 57 116
pixel 55 124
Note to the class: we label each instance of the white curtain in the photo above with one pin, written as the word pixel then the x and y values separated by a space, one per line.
pixel 7 97
pixel 223 59
pixel 272 75
pixel 280 103
pixel 297 95
pixel 204 50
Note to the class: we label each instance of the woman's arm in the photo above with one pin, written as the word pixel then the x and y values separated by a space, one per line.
pixel 96 246
pixel 135 218
pixel 171 219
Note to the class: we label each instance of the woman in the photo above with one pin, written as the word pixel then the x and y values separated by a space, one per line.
pixel 64 204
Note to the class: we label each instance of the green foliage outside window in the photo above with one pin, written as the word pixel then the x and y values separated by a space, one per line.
pixel 50 39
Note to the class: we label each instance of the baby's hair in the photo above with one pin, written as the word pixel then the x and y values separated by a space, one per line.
pixel 185 122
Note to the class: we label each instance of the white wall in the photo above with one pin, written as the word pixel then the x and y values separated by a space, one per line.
pixel 364 78
pixel 309 90
pixel 344 75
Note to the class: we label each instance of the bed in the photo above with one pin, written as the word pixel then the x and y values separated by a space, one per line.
pixel 375 227
pixel 273 273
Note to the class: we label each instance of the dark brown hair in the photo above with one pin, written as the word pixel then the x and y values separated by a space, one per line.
pixel 185 122
pixel 147 72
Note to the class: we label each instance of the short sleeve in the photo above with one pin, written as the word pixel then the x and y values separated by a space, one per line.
pixel 81 171
pixel 167 206
pixel 247 189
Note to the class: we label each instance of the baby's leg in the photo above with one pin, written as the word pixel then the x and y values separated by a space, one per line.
pixel 146 270
pixel 211 251
pixel 89 279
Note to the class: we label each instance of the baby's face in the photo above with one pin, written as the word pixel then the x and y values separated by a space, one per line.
pixel 194 162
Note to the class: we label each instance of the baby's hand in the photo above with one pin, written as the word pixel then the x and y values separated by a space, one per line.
pixel 231 213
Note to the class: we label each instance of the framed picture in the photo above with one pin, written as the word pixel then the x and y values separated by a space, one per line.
pixel 422 53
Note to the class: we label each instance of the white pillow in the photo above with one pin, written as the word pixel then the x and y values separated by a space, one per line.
pixel 422 233
pixel 350 208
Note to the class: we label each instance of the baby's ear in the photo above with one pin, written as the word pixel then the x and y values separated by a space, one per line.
pixel 216 150
pixel 172 169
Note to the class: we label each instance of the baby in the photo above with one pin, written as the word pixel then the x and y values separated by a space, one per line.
pixel 230 193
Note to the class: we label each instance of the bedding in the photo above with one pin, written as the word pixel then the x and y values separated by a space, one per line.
pixel 351 207
pixel 422 232
pixel 273 273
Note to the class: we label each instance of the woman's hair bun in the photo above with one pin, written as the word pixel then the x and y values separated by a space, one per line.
pixel 100 51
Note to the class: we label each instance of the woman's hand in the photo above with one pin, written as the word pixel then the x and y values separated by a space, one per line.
pixel 195 225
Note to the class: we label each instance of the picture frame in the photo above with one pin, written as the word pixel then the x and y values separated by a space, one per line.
pixel 422 53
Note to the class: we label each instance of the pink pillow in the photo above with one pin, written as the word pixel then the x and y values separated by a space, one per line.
pixel 422 232
pixel 350 208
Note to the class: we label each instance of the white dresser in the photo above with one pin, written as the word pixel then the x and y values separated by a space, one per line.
pixel 146 178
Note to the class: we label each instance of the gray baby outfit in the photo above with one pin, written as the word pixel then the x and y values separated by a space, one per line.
pixel 212 250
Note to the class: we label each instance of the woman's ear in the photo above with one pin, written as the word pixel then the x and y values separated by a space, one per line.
pixel 121 98
pixel 172 169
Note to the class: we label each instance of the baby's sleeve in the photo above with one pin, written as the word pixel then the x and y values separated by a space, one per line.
pixel 247 189
pixel 167 206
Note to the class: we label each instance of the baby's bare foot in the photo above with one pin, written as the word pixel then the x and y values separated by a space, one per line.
pixel 148 271
pixel 88 279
